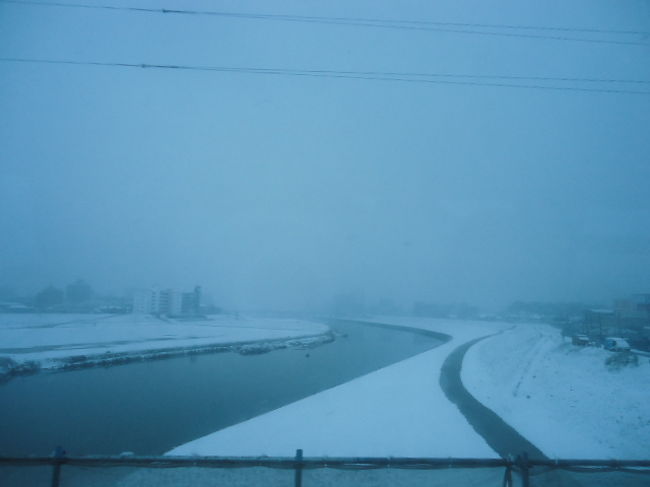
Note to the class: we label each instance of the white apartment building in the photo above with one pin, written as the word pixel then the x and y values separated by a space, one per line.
pixel 158 302
pixel 168 302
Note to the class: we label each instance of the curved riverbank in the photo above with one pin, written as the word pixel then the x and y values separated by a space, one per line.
pixel 504 439
pixel 548 389
pixel 29 345
pixel 443 337
pixel 398 410
pixel 149 407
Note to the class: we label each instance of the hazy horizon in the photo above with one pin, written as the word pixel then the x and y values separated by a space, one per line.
pixel 283 192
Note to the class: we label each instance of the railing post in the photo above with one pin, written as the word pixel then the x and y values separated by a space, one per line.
pixel 524 469
pixel 57 460
pixel 298 474
pixel 507 476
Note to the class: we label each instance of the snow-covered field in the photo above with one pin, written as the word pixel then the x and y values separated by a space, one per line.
pixel 399 410
pixel 53 340
pixel 562 398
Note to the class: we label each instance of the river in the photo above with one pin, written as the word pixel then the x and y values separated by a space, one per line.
pixel 151 407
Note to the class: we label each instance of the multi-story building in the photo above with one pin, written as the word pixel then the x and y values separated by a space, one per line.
pixel 633 311
pixel 167 302
pixel 191 302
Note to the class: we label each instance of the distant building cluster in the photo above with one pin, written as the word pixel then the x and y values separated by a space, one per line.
pixel 634 310
pixel 167 302
pixel 627 314
pixel 76 297
pixel 79 297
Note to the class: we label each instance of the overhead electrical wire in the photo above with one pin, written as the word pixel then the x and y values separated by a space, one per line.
pixel 415 25
pixel 429 78
pixel 455 75
pixel 353 19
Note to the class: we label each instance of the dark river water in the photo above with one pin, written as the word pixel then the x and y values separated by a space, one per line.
pixel 151 407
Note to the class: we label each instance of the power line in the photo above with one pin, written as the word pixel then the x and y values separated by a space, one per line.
pixel 359 75
pixel 391 74
pixel 351 19
pixel 414 25
pixel 468 76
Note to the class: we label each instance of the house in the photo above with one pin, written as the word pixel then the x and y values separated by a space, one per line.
pixel 598 322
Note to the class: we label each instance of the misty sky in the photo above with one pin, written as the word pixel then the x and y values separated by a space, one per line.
pixel 281 192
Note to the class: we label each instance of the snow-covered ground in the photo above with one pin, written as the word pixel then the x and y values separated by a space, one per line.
pixel 562 398
pixel 54 340
pixel 399 410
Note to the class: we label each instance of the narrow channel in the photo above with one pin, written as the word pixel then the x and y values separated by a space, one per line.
pixel 151 407
pixel 501 437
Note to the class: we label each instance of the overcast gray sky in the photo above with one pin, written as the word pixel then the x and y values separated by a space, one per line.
pixel 280 192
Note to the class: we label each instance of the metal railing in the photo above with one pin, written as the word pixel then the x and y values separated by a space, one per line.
pixel 520 465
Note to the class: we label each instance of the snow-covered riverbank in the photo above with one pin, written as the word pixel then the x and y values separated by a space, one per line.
pixel 72 341
pixel 399 410
pixel 562 398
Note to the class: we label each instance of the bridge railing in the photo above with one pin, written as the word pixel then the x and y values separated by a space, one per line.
pixel 515 471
